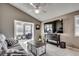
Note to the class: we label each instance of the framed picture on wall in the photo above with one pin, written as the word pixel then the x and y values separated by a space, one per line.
pixel 37 26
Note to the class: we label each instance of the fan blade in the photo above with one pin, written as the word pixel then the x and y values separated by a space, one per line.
pixel 44 11
pixel 33 5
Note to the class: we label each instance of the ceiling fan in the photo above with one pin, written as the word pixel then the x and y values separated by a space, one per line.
pixel 38 7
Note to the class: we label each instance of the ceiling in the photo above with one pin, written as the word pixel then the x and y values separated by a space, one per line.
pixel 51 9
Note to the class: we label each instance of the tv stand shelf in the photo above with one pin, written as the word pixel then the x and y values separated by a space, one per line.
pixel 53 38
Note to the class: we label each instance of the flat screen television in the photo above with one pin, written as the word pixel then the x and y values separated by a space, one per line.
pixel 54 27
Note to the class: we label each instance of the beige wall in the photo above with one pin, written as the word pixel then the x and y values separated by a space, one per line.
pixel 8 14
pixel 68 27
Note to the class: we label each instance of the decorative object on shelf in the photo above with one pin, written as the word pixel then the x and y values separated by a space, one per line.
pixel 61 19
pixel 19 37
pixel 40 39
pixel 37 26
pixel 23 36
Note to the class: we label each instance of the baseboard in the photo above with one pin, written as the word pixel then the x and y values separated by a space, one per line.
pixel 73 48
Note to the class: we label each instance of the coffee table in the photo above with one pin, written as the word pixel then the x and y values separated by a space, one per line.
pixel 37 48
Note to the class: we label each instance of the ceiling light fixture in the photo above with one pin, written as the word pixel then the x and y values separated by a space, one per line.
pixel 37 7
pixel 37 11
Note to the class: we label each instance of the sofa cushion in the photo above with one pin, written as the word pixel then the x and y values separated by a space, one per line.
pixel 11 42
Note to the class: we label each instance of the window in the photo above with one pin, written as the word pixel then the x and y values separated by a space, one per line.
pixel 28 28
pixel 19 28
pixel 25 29
pixel 77 25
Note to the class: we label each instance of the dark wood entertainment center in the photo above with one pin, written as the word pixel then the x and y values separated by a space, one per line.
pixel 53 30
pixel 53 39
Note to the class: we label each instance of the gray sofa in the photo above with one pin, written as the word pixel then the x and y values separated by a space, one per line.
pixel 14 50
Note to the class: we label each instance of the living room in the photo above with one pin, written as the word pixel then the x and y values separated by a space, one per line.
pixel 30 29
